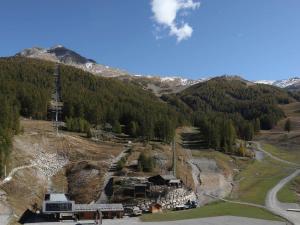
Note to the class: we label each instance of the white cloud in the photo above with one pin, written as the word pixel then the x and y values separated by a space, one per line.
pixel 165 13
pixel 182 33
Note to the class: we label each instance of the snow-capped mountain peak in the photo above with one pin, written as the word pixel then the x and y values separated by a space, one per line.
pixel 285 83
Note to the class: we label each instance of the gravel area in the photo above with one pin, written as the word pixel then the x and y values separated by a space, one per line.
pixel 4 219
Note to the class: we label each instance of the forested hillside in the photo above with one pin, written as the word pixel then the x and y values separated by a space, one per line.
pixel 224 108
pixel 26 86
pixel 295 95
pixel 107 100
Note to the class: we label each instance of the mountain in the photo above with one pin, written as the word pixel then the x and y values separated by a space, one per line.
pixel 291 83
pixel 66 56
pixel 157 84
pixel 161 85
pixel 220 106
pixel 226 106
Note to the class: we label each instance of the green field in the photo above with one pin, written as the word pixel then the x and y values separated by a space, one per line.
pixel 288 194
pixel 257 178
pixel 215 209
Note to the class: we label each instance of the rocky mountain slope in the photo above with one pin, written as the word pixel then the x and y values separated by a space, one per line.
pixel 158 85
pixel 155 83
pixel 63 55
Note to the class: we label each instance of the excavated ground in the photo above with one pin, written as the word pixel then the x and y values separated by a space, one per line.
pixel 212 171
pixel 64 163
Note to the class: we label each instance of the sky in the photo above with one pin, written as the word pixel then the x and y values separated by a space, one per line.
pixel 257 39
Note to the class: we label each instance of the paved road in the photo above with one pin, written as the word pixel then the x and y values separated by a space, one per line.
pixel 274 205
pixel 223 220
pixel 272 202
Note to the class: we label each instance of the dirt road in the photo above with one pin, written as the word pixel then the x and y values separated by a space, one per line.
pixel 12 173
pixel 260 148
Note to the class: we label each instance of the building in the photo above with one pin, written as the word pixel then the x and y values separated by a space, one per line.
pixel 58 205
pixel 61 207
pixel 168 180
pixel 155 208
pixel 95 211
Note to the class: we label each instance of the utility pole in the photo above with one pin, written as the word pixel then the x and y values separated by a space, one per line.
pixel 174 157
pixel 56 97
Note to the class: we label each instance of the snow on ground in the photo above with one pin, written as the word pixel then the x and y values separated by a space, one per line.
pixel 280 83
pixel 269 82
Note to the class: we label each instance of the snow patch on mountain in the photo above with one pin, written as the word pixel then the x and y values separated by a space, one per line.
pixel 288 82
pixel 281 83
pixel 269 82
pixel 61 54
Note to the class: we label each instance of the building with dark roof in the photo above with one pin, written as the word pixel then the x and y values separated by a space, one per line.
pixel 60 206
pixel 168 180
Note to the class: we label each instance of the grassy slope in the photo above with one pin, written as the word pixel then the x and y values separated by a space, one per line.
pixel 295 157
pixel 258 178
pixel 288 194
pixel 285 146
pixel 215 209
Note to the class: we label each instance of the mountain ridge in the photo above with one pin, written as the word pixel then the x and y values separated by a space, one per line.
pixel 157 84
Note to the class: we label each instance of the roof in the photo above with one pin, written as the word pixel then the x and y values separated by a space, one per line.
pixel 168 177
pixel 58 198
pixel 155 204
pixel 176 181
pixel 134 163
pixel 100 207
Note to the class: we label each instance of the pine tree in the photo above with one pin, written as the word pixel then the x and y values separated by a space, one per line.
pixel 117 127
pixel 256 125
pixel 288 125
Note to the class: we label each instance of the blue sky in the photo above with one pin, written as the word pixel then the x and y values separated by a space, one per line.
pixel 259 39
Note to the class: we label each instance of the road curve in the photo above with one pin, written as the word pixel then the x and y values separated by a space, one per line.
pixel 273 204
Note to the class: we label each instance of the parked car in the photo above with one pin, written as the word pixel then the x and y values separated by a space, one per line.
pixel 191 205
pixel 133 211
pixel 180 207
